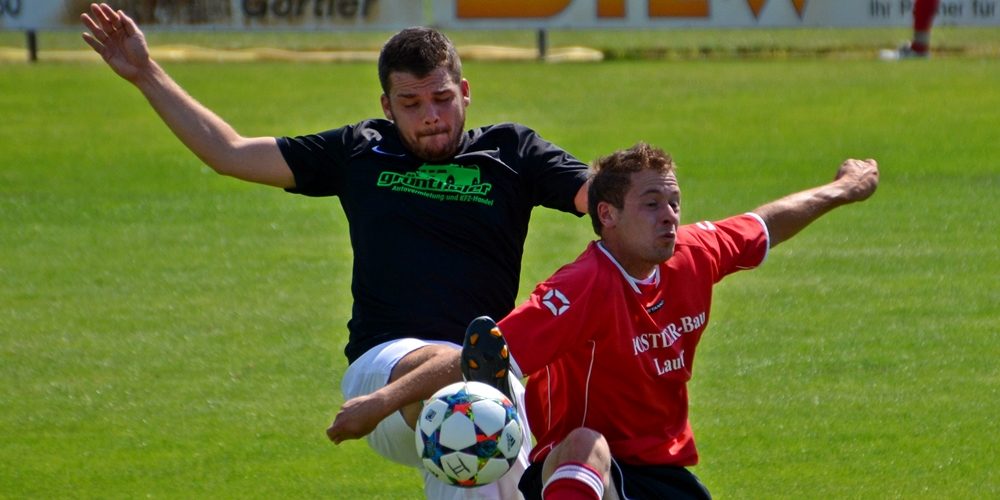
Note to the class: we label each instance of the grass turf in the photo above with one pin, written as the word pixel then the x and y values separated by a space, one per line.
pixel 171 333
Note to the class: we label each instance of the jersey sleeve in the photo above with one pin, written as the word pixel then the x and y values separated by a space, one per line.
pixel 317 161
pixel 734 244
pixel 551 321
pixel 555 175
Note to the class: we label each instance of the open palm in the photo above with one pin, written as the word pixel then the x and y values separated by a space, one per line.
pixel 117 39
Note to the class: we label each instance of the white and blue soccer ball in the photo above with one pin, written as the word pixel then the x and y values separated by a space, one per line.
pixel 468 434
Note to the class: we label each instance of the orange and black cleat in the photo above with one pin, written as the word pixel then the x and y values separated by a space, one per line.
pixel 484 355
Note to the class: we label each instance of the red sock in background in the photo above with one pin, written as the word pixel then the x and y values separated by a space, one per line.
pixel 574 481
pixel 923 19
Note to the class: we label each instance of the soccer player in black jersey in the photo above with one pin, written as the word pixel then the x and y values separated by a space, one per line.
pixel 438 216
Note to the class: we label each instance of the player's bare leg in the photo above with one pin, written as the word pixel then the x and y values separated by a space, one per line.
pixel 434 367
pixel 582 446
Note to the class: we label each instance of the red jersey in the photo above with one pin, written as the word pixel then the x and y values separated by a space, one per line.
pixel 607 352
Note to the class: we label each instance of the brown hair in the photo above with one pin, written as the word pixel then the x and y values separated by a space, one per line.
pixel 611 176
pixel 418 51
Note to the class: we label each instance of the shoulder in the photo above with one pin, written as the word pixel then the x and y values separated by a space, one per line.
pixel 591 271
pixel 697 235
pixel 363 131
pixel 699 240
pixel 502 133
pixel 371 130
pixel 516 142
pixel 708 233
pixel 738 242
pixel 568 294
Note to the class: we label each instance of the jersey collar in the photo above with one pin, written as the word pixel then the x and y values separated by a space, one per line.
pixel 652 279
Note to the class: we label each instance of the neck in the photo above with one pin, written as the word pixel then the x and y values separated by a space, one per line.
pixel 635 269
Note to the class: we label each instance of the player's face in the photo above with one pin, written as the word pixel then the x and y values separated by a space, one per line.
pixel 429 112
pixel 642 233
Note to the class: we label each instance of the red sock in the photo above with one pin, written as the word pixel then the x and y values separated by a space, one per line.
pixel 574 481
pixel 923 14
pixel 923 18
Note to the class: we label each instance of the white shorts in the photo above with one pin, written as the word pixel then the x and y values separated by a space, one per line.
pixel 394 440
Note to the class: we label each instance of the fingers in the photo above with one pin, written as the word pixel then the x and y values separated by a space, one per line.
pixel 861 165
pixel 336 430
pixel 129 25
pixel 94 44
pixel 97 37
pixel 105 16
pixel 332 434
pixel 861 176
pixel 105 22
pixel 339 432
pixel 98 18
pixel 866 164
pixel 867 167
pixel 98 33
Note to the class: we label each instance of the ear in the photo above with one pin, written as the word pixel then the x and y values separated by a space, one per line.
pixel 607 214
pixel 385 107
pixel 466 92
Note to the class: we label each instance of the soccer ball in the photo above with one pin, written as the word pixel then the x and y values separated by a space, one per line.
pixel 468 434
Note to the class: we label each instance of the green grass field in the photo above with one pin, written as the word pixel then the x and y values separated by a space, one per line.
pixel 167 332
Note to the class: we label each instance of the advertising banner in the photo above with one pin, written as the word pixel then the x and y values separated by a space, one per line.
pixel 645 14
pixel 223 14
pixel 498 14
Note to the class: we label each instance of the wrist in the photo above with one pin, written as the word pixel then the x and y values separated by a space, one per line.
pixel 383 402
pixel 841 193
pixel 148 77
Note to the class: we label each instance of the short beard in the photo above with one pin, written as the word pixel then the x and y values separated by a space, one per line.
pixel 455 140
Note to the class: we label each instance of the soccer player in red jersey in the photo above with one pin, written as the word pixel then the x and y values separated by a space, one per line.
pixel 618 327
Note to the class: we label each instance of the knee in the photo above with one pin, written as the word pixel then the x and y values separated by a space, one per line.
pixel 586 435
pixel 582 445
pixel 587 445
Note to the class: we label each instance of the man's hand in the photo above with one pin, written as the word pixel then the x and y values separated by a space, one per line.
pixel 859 179
pixel 856 181
pixel 117 39
pixel 357 418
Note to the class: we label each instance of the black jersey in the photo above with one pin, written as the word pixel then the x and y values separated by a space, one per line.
pixel 435 244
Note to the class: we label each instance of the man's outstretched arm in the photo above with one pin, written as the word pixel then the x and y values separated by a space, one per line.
pixel 856 180
pixel 123 47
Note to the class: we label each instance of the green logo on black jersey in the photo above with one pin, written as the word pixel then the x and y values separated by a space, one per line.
pixel 441 182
